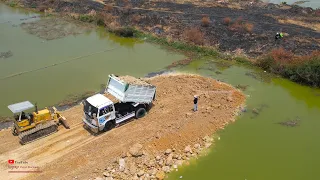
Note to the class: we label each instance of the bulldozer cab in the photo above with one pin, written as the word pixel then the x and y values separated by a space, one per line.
pixel 22 118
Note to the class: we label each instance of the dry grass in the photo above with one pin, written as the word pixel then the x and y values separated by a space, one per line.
pixel 300 21
pixel 113 26
pixel 226 21
pixel 105 18
pixel 74 15
pixel 136 18
pixel 281 56
pixel 92 13
pixel 314 26
pixel 194 35
pixel 205 21
pixel 240 25
pixel 108 7
pixel 306 58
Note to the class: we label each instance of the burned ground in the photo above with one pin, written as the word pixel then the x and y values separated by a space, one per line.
pixel 250 29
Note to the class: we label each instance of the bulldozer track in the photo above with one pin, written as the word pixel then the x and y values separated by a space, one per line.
pixel 38 132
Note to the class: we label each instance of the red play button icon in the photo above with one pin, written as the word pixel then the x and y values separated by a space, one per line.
pixel 11 161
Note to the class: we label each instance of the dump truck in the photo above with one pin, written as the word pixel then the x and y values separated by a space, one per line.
pixel 133 98
pixel 37 124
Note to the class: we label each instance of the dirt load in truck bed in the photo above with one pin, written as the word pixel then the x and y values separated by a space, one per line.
pixel 133 80
pixel 170 123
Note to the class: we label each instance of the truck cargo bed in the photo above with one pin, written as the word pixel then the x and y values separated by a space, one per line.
pixel 130 89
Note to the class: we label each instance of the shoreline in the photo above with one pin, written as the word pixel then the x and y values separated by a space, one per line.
pixel 145 22
pixel 157 164
pixel 140 145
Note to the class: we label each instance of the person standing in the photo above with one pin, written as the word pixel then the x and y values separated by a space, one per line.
pixel 278 36
pixel 195 103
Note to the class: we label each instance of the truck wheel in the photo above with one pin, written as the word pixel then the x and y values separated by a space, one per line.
pixel 140 113
pixel 109 125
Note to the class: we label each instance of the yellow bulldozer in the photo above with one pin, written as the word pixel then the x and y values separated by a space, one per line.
pixel 37 124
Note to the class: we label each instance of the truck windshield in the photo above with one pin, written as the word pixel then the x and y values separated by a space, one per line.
pixel 89 109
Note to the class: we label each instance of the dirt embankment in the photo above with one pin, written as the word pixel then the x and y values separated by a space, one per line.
pixel 170 124
pixel 244 28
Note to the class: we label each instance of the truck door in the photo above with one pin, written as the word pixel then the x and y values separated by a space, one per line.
pixel 106 114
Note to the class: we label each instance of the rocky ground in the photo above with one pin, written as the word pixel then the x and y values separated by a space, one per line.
pixel 245 28
pixel 147 148
pixel 139 164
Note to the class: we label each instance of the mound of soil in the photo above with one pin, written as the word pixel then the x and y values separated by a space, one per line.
pixel 133 80
pixel 170 123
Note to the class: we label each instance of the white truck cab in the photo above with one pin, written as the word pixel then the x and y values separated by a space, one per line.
pixel 102 114
pixel 98 109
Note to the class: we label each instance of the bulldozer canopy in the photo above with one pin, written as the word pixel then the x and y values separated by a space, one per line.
pixel 19 107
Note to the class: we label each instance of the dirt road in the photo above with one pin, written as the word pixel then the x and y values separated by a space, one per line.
pixel 170 123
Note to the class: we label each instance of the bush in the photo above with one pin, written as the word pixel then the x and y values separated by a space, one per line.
pixel 42 8
pixel 307 72
pixel 194 35
pixel 236 25
pixel 125 32
pixel 205 21
pixel 86 18
pixel 13 4
pixel 104 19
pixel 136 18
pixel 248 27
pixel 281 56
pixel 226 21
pixel 266 62
pixel 301 69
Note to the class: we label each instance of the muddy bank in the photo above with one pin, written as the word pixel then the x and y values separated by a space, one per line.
pixel 5 122
pixel 170 124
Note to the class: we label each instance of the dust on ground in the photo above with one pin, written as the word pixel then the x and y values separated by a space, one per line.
pixel 54 28
pixel 171 123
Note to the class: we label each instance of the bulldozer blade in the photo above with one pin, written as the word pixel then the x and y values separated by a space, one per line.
pixel 63 121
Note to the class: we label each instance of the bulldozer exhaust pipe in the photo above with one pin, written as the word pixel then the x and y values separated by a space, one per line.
pixel 36 108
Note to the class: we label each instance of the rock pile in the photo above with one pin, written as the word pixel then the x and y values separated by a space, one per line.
pixel 137 163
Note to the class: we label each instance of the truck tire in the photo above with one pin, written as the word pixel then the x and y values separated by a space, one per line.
pixel 140 113
pixel 109 125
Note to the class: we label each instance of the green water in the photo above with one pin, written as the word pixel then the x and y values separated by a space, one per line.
pixel 255 147
pixel 51 85
pixel 309 3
